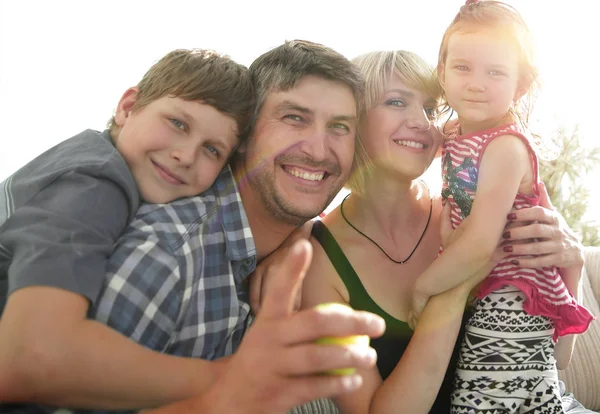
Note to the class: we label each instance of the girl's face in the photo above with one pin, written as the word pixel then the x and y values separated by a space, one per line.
pixel 481 78
pixel 398 132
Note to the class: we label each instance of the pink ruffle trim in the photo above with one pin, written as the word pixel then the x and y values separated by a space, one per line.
pixel 569 318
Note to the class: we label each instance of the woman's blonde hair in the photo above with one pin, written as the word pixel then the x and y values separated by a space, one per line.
pixel 377 69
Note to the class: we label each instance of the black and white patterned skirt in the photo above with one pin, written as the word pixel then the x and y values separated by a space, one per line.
pixel 506 362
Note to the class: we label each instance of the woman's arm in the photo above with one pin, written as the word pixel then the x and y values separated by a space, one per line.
pixel 415 382
pixel 322 285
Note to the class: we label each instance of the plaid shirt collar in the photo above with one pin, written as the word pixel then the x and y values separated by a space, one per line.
pixel 233 217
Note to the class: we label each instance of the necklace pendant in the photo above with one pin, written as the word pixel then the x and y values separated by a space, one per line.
pixel 375 243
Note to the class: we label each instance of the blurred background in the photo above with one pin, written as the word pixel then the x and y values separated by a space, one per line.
pixel 64 65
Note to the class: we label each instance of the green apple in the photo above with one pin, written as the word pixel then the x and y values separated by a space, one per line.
pixel 359 340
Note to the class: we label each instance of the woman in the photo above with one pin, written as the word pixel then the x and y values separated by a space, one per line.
pixel 369 251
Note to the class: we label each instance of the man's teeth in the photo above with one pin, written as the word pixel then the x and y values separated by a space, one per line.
pixel 307 175
pixel 411 144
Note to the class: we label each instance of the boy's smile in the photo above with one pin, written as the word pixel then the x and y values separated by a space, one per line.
pixel 174 148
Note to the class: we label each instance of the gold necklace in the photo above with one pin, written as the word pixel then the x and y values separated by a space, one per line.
pixel 375 243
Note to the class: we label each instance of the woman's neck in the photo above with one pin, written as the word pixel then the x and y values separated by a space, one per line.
pixel 389 206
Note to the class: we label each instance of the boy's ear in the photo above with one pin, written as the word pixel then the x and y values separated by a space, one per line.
pixel 125 105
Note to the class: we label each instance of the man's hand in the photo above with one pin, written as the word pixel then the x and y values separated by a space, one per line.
pixel 542 233
pixel 258 279
pixel 278 365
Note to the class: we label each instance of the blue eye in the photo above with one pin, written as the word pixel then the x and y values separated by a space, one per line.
pixel 212 150
pixel 294 117
pixel 396 102
pixel 177 123
pixel 341 128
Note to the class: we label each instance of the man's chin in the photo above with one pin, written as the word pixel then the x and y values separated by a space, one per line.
pixel 299 214
pixel 299 207
pixel 309 213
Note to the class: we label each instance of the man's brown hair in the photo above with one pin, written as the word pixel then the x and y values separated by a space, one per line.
pixel 281 68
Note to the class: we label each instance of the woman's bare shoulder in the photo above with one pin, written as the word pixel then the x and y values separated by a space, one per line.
pixel 322 282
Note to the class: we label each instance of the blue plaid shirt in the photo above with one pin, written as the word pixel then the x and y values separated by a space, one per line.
pixel 176 282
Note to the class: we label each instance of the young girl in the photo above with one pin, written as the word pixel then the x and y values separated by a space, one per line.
pixel 507 357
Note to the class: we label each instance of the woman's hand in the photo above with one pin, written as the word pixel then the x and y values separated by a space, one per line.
pixel 543 237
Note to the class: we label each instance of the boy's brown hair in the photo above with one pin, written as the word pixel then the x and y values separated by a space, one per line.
pixel 199 75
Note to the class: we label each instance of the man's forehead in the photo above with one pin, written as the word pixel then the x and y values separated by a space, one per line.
pixel 315 95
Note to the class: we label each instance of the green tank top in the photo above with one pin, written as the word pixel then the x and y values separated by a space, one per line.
pixel 359 297
pixel 391 346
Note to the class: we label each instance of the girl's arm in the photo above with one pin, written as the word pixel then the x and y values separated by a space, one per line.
pixel 505 163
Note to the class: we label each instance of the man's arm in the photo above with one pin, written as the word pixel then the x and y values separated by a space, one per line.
pixel 556 245
pixel 278 365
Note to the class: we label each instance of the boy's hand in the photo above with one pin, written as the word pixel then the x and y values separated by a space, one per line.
pixel 259 279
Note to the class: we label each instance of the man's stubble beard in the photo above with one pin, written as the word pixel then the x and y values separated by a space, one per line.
pixel 264 185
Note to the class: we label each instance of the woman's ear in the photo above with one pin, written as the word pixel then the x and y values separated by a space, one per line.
pixel 125 106
pixel 440 74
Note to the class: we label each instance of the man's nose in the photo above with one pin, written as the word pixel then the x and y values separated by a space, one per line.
pixel 316 144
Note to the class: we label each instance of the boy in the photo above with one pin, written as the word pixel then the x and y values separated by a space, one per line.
pixel 170 137
pixel 61 214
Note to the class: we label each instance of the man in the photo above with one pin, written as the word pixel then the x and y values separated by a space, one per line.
pixel 178 279
pixel 274 368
